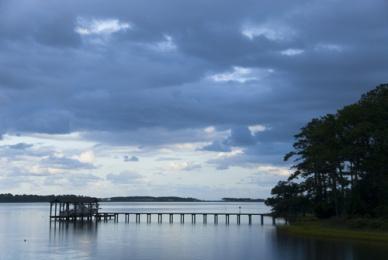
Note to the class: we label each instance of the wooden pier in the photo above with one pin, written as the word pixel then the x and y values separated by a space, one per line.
pixel 74 209
pixel 181 216
pixel 87 210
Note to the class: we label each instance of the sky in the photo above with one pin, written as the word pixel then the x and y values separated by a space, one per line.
pixel 176 97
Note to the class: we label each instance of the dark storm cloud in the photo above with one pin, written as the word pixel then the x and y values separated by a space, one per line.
pixel 152 68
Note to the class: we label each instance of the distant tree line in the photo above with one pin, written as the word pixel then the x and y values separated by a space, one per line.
pixel 150 199
pixel 9 198
pixel 242 200
pixel 340 163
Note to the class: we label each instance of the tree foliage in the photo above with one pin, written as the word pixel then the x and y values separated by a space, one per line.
pixel 340 163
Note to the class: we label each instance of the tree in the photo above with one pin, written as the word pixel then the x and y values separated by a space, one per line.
pixel 340 162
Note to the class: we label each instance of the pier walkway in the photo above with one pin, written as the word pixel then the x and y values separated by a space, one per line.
pixel 211 216
pixel 87 210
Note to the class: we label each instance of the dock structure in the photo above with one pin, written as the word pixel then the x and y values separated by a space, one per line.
pixel 148 216
pixel 87 209
pixel 74 209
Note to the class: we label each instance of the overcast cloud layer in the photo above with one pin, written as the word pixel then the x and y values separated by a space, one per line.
pixel 184 97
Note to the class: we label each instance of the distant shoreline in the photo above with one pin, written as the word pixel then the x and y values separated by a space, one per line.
pixel 9 198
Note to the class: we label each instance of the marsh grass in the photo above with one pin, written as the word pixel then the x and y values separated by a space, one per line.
pixel 356 229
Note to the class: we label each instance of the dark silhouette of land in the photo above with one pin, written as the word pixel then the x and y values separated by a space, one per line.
pixel 242 200
pixel 150 199
pixel 10 198
pixel 340 167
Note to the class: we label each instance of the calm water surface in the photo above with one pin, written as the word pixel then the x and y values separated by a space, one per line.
pixel 25 233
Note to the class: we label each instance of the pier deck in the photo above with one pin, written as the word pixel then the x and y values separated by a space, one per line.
pixel 211 216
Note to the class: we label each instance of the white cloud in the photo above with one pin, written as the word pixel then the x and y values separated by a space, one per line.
pixel 86 157
pixel 272 32
pixel 291 52
pixel 241 75
pixel 182 166
pixel 273 170
pixel 100 26
pixel 210 130
pixel 233 153
pixel 256 129
pixel 166 45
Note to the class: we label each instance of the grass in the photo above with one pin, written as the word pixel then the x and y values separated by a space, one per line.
pixel 354 229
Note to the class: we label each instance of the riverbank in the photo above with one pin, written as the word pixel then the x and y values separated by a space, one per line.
pixel 373 230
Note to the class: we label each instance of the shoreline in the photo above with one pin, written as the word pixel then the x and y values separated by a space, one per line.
pixel 201 201
pixel 325 230
pixel 31 198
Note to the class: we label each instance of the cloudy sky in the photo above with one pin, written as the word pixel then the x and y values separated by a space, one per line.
pixel 190 98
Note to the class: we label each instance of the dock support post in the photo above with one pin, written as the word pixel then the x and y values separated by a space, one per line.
pixel 215 218
pixel 238 219
pixel 193 218
pixel 171 218
pixel 227 219
pixel 160 218
pixel 205 218
pixel 250 219
pixel 67 211
pixel 137 218
pixel 182 218
pixel 148 218
pixel 262 219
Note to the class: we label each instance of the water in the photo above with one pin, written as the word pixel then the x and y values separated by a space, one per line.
pixel 25 233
